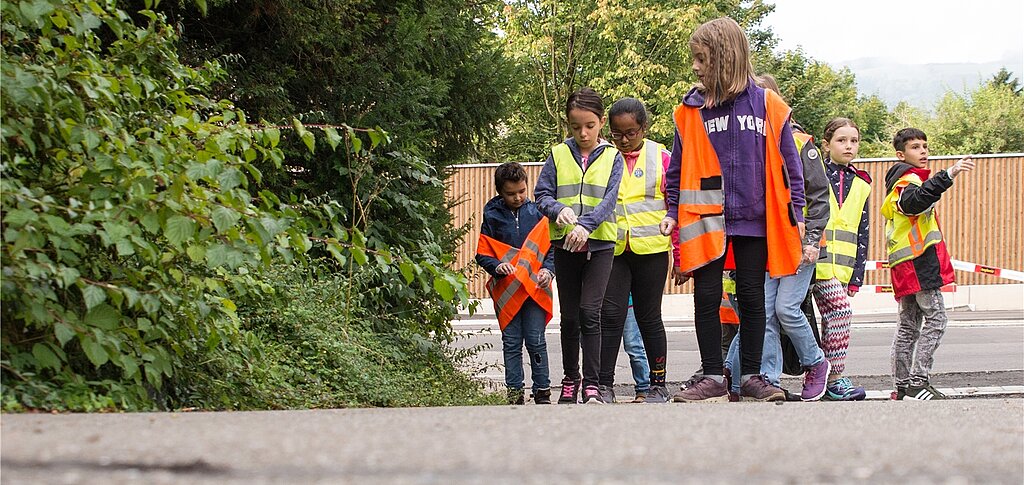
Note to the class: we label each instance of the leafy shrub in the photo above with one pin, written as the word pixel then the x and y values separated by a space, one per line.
pixel 132 227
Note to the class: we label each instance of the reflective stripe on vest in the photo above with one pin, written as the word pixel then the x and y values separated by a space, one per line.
pixel 700 218
pixel 511 291
pixel 908 236
pixel 726 313
pixel 841 232
pixel 583 190
pixel 641 204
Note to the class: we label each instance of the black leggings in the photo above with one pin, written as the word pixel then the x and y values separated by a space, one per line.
pixel 582 279
pixel 643 275
pixel 751 255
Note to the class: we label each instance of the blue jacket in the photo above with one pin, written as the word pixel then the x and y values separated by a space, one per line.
pixel 511 228
pixel 736 130
pixel 550 206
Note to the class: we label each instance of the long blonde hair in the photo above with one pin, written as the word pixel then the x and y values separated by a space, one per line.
pixel 728 65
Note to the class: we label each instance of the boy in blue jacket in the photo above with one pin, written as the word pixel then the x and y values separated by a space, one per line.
pixel 515 249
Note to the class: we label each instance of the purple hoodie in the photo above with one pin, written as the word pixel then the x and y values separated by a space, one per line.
pixel 737 132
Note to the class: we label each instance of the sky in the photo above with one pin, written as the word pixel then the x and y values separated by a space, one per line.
pixel 913 31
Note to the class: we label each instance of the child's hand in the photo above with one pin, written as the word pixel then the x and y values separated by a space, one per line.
pixel 566 216
pixel 679 278
pixel 965 164
pixel 505 269
pixel 544 278
pixel 811 253
pixel 667 225
pixel 852 291
pixel 576 239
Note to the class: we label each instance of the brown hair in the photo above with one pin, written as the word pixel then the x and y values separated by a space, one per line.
pixel 586 99
pixel 837 123
pixel 768 81
pixel 728 64
pixel 508 172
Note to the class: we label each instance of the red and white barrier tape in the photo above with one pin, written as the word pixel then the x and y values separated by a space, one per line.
pixel 950 288
pixel 1000 272
pixel 962 266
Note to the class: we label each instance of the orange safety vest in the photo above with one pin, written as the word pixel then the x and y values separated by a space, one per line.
pixel 511 291
pixel 701 217
pixel 726 312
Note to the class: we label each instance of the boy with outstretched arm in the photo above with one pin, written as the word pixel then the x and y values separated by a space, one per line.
pixel 918 260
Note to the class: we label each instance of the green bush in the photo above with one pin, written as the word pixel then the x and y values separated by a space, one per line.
pixel 323 350
pixel 133 228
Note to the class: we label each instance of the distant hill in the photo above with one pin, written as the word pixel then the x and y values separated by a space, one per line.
pixel 923 85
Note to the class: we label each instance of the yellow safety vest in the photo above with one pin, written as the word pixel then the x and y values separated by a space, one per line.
pixel 841 232
pixel 908 236
pixel 583 191
pixel 641 205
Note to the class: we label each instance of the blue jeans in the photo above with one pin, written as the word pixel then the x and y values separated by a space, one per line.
pixel 634 346
pixel 526 327
pixel 782 300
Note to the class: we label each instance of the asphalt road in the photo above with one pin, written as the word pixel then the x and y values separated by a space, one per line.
pixel 957 441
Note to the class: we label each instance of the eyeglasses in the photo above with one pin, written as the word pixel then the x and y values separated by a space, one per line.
pixel 631 134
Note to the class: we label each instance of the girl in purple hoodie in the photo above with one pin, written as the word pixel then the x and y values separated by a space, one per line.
pixel 736 116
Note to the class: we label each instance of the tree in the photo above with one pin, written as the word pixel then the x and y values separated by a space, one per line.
pixel 639 50
pixel 134 226
pixel 1005 78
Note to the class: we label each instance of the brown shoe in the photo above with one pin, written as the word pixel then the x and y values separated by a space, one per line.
pixel 757 388
pixel 640 397
pixel 704 389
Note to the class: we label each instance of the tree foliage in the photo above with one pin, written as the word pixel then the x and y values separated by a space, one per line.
pixel 639 50
pixel 134 226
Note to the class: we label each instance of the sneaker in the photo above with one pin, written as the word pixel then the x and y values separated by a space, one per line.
pixel 733 395
pixel 607 394
pixel 515 396
pixel 657 395
pixel 691 381
pixel 542 396
pixel 842 389
pixel 640 397
pixel 899 393
pixel 570 391
pixel 815 381
pixel 592 395
pixel 923 393
pixel 703 389
pixel 791 396
pixel 757 388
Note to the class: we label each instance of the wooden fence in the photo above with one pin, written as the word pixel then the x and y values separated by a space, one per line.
pixel 981 215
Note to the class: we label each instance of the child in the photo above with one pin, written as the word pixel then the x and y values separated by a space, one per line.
pixel 515 249
pixel 918 260
pixel 633 344
pixel 841 273
pixel 735 177
pixel 641 262
pixel 784 296
pixel 577 190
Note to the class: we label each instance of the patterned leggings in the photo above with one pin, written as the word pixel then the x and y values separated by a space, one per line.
pixel 834 305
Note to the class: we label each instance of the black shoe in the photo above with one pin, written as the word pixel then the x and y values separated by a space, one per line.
pixel 570 391
pixel 923 393
pixel 542 396
pixel 516 396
